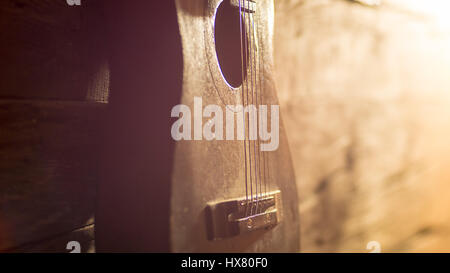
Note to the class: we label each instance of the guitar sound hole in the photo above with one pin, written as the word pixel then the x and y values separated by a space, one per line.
pixel 227 35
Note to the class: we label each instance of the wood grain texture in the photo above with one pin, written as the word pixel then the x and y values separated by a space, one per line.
pixel 51 50
pixel 48 169
pixel 365 95
pixel 58 243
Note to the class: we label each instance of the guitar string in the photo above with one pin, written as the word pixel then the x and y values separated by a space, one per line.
pixel 247 35
pixel 258 103
pixel 266 155
pixel 246 51
pixel 252 40
pixel 257 154
pixel 243 113
pixel 255 94
pixel 261 96
pixel 256 143
pixel 249 99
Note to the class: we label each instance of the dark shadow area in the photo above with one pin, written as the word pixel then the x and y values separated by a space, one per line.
pixel 133 206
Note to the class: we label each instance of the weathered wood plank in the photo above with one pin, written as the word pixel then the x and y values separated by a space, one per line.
pixel 60 243
pixel 51 50
pixel 364 96
pixel 48 168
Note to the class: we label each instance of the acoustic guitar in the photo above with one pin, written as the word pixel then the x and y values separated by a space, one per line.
pixel 196 157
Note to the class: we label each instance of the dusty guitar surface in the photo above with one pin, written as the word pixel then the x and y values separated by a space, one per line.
pixel 211 171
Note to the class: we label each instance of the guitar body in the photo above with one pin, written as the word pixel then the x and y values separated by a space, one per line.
pixel 156 194
pixel 208 171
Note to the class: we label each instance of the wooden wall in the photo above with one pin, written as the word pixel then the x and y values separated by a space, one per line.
pixel 50 50
pixel 364 94
pixel 53 88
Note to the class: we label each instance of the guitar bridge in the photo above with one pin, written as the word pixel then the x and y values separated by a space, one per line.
pixel 239 216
